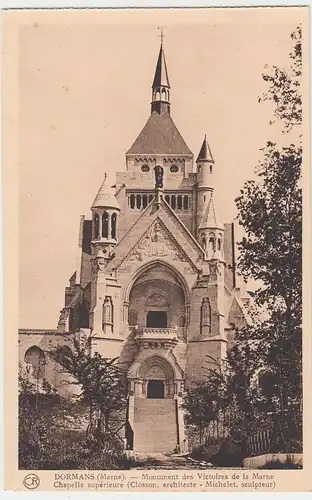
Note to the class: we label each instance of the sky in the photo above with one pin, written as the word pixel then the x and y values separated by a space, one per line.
pixel 84 95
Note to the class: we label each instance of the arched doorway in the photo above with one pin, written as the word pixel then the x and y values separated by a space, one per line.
pixel 35 362
pixel 155 389
pixel 157 377
pixel 156 319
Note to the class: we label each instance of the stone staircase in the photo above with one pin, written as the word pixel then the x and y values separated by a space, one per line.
pixel 155 425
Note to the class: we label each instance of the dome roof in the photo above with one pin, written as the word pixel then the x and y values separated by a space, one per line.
pixel 106 197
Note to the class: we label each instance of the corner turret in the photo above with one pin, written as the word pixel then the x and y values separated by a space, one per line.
pixel 105 209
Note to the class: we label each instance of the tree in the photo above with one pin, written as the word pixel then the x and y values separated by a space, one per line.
pixel 99 378
pixel 284 86
pixel 270 211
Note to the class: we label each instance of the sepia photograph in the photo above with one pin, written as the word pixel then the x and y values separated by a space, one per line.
pixel 160 246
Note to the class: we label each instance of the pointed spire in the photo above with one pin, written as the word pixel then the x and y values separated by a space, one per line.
pixel 161 78
pixel 161 85
pixel 106 196
pixel 210 219
pixel 205 153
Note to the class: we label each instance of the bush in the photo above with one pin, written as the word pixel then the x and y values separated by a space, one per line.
pixel 72 451
pixel 230 454
pixel 277 464
pixel 52 435
pixel 204 452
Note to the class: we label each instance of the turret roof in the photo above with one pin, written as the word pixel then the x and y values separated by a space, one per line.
pixel 210 219
pixel 205 152
pixel 106 197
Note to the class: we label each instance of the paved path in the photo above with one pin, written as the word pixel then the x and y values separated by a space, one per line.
pixel 165 461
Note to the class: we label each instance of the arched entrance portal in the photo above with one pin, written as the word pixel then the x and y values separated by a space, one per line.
pixel 158 299
pixel 157 378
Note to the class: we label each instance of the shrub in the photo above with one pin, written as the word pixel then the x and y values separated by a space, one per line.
pixel 230 454
pixel 278 464
pixel 204 452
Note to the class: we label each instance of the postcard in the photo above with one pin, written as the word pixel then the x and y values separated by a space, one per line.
pixel 156 236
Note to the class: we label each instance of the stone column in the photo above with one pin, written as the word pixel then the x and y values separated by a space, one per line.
pixel 139 388
pixel 126 312
pixel 109 225
pixel 181 430
pixel 131 415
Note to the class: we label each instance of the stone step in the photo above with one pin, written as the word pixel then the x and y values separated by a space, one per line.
pixel 155 425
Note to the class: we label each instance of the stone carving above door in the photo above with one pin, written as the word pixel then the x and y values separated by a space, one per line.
pixel 156 373
pixel 157 299
pixel 157 243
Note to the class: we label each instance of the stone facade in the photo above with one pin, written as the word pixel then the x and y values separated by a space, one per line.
pixel 155 282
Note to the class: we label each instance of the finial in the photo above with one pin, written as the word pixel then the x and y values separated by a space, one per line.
pixel 105 176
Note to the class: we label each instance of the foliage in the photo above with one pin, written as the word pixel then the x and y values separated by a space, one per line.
pixel 230 454
pixel 284 86
pixel 227 453
pixel 270 212
pixel 278 464
pixel 51 433
pixel 99 379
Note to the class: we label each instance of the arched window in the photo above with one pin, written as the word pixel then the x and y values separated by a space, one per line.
pixel 173 202
pixel 138 201
pixel 84 316
pixel 163 95
pixel 206 312
pixel 144 200
pixel 96 226
pixel 105 225
pixel 114 226
pixel 185 202
pixel 219 243
pixel 211 244
pixel 132 201
pixel 157 95
pixel 35 359
pixel 179 204
pixel 204 243
pixel 167 198
pixel 132 318
pixel 150 198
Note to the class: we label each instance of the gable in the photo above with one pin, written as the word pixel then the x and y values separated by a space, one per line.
pixel 157 234
pixel 157 242
pixel 237 314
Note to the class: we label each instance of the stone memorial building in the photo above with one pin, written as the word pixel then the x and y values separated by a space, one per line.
pixel 155 280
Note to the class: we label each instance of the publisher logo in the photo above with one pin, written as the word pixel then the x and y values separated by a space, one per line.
pixel 31 481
